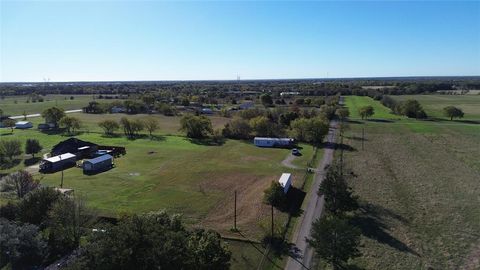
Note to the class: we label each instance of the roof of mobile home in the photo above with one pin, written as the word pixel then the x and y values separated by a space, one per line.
pixel 284 179
pixel 22 123
pixel 275 139
pixel 60 157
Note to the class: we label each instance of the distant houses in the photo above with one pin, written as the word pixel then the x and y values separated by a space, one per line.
pixel 273 142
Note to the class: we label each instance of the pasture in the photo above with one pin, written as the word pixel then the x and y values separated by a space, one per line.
pixel 172 172
pixel 17 105
pixel 418 186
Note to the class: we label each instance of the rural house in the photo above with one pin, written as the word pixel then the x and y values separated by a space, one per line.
pixel 273 142
pixel 57 163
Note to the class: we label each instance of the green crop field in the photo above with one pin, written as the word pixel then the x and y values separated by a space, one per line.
pixel 418 183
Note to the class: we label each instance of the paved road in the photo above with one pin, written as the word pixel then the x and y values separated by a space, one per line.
pixel 38 114
pixel 313 209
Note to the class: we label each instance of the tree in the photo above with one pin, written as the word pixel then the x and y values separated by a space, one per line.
pixel 53 115
pixel 274 195
pixel 266 99
pixel 151 125
pixel 22 182
pixel 338 195
pixel 21 246
pixel 309 130
pixel 262 126
pixel 238 128
pixel 208 251
pixel 35 206
pixel 342 113
pixel 131 128
pixel 412 109
pixel 366 111
pixel 109 126
pixel 70 123
pixel 9 123
pixel 153 241
pixel 32 147
pixel 453 112
pixel 196 126
pixel 66 221
pixel 334 240
pixel 10 148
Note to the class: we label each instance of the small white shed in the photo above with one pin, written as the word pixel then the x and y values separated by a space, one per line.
pixel 285 181
pixel 23 125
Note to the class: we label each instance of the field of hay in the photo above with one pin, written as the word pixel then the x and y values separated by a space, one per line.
pixel 418 182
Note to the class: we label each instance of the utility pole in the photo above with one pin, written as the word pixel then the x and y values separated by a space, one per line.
pixel 235 213
pixel 363 137
pixel 271 239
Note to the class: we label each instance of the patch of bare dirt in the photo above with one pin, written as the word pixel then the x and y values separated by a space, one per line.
pixel 250 208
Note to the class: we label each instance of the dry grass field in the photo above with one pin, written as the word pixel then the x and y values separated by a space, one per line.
pixel 418 182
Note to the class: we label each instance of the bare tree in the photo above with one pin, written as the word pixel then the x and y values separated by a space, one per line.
pixel 22 182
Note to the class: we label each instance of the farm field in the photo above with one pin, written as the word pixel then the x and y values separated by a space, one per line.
pixel 17 105
pixel 418 186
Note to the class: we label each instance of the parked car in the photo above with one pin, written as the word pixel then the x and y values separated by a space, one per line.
pixel 295 152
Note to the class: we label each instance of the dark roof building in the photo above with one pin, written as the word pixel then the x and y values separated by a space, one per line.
pixel 75 146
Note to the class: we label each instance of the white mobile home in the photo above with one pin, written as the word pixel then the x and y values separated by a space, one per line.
pixel 59 162
pixel 23 125
pixel 273 142
pixel 285 181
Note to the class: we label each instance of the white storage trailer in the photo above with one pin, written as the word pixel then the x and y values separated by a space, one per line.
pixel 23 125
pixel 285 181
pixel 273 142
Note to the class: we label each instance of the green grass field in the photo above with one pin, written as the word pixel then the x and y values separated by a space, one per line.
pixel 17 105
pixel 418 184
pixel 172 172
pixel 434 104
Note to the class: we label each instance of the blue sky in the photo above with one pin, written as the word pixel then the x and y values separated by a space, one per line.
pixel 151 40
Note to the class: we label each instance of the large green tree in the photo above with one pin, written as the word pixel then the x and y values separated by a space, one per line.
pixel 70 124
pixel 9 123
pixel 366 111
pixel 109 126
pixel 453 112
pixel 153 241
pixel 22 182
pixel 338 195
pixel 196 126
pixel 32 147
pixel 21 245
pixel 53 115
pixel 274 195
pixel 334 240
pixel 10 149
pixel 412 109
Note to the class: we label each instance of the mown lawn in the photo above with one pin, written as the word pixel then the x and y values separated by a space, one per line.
pixel 419 189
pixel 174 173
pixel 354 103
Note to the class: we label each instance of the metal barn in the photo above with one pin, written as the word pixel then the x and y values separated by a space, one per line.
pixel 98 164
